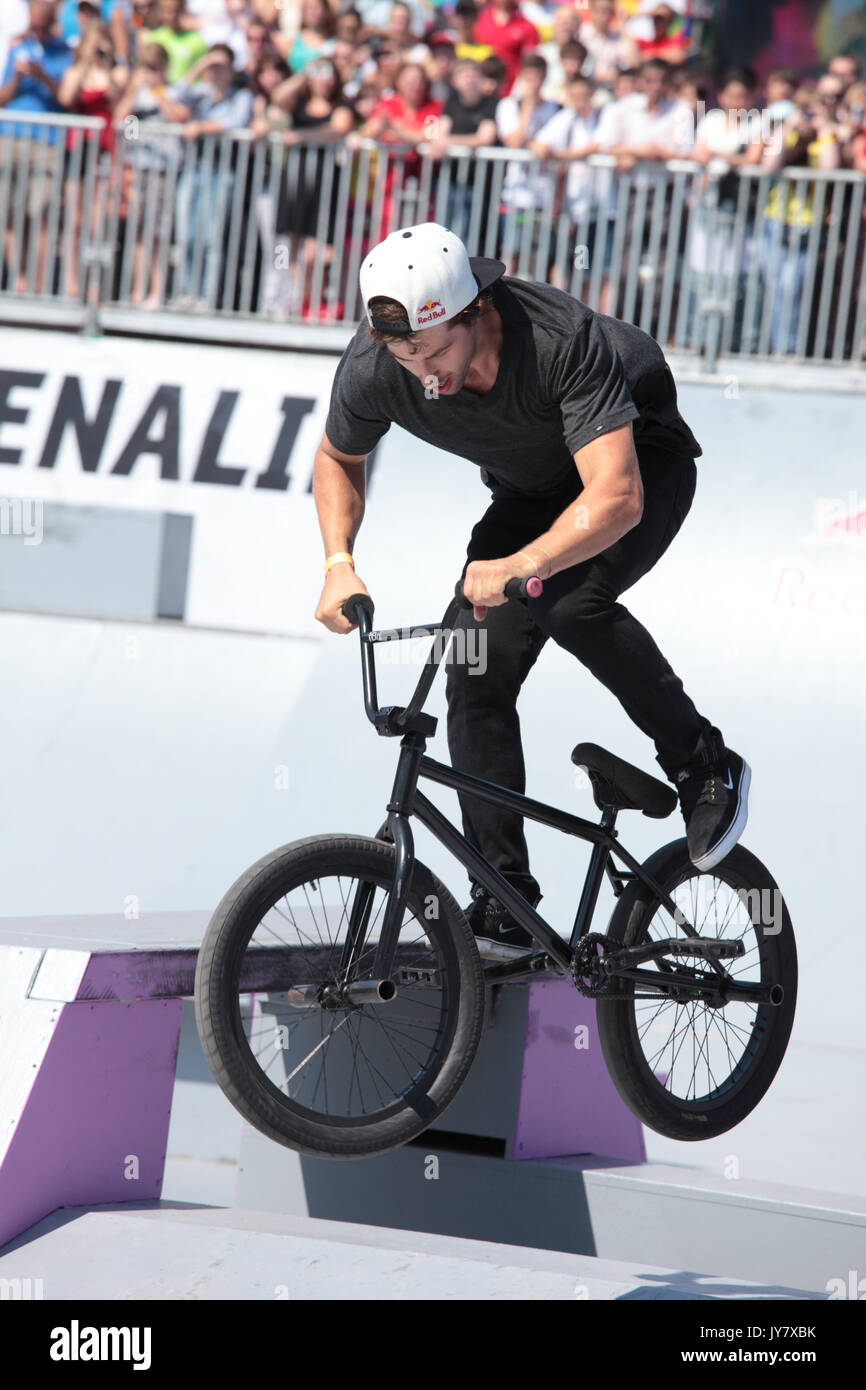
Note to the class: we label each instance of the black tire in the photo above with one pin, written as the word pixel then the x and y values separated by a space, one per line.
pixel 444 1040
pixel 755 1036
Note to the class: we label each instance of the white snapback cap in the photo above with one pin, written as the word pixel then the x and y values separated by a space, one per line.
pixel 426 268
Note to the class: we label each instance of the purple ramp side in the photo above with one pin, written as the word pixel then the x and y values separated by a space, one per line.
pixel 568 1103
pixel 102 1094
pixel 139 975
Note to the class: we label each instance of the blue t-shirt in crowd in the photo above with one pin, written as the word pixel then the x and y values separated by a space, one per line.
pixel 54 57
pixel 70 28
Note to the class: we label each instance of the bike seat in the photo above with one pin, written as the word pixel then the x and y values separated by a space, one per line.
pixel 617 783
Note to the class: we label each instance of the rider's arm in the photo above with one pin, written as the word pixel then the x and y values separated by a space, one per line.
pixel 610 504
pixel 586 377
pixel 338 491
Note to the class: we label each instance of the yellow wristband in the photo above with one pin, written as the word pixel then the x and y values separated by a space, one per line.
pixel 339 557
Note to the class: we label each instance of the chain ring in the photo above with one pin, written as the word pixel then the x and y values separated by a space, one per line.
pixel 586 966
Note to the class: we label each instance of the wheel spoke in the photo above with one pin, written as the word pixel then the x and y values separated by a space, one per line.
pixel 314 1050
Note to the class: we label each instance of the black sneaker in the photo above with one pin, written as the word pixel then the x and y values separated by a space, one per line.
pixel 714 803
pixel 493 925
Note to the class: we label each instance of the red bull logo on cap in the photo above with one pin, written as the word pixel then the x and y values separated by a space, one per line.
pixel 429 312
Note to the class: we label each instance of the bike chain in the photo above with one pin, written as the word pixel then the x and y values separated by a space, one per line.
pixel 586 966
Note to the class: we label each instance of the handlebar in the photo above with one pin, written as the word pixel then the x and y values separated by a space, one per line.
pixel 515 588
pixel 360 608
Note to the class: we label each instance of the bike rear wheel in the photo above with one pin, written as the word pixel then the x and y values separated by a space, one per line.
pixel 689 1069
pixel 298 1034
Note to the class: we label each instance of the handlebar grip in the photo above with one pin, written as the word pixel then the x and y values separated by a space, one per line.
pixel 515 588
pixel 347 607
pixel 524 588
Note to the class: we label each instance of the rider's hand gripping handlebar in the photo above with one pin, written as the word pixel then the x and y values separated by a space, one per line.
pixel 515 588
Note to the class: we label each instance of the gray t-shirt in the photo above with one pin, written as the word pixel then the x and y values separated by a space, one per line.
pixel 566 376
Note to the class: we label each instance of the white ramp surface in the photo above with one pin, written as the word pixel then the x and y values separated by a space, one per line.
pixel 165 1253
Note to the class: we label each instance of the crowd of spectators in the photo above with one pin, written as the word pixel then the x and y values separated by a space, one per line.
pixel 561 79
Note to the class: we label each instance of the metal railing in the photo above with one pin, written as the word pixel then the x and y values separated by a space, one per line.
pixel 245 229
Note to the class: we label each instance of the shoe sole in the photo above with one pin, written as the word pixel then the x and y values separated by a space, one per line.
pixel 500 950
pixel 735 829
pixel 491 950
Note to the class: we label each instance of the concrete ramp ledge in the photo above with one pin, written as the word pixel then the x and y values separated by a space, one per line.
pixel 187 1252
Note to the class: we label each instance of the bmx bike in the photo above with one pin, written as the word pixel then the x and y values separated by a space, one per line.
pixel 340 992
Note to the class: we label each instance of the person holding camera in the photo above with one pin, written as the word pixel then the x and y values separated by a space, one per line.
pixel 214 105
pixel 94 82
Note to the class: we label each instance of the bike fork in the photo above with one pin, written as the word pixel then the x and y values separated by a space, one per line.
pixel 359 919
pixel 398 830
pixel 404 846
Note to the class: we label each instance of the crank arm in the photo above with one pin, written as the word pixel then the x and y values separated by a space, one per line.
pixel 733 992
pixel 701 946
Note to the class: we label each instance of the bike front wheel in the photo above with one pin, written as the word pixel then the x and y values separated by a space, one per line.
pixel 686 1067
pixel 307 1046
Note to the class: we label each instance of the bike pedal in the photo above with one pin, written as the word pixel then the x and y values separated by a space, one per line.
pixel 723 949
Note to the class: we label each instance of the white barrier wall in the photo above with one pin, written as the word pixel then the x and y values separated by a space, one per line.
pixel 146 765
pixel 225 437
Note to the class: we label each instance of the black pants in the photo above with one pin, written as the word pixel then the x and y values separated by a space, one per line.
pixel 579 610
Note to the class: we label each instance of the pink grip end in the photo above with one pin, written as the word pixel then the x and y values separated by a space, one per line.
pixel 534 587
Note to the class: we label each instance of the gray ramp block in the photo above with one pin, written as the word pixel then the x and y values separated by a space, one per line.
pixel 685 1218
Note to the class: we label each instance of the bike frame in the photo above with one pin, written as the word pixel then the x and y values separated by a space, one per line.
pixel 407 801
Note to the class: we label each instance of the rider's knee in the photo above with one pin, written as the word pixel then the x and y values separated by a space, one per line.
pixel 583 611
